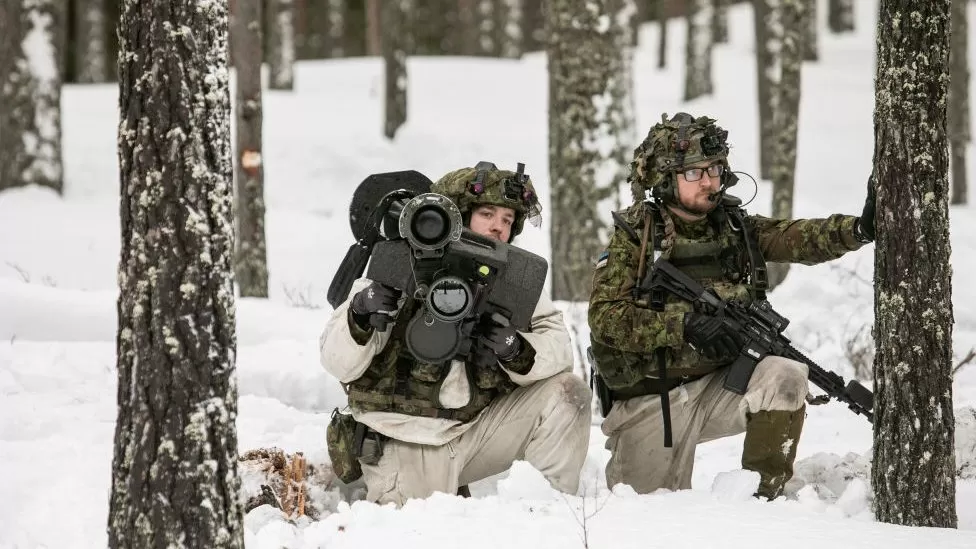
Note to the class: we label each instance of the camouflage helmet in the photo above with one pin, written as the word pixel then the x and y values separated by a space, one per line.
pixel 485 184
pixel 669 146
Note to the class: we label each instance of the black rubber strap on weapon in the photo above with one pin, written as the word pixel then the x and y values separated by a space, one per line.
pixel 665 397
pixel 759 279
pixel 657 298
pixel 401 383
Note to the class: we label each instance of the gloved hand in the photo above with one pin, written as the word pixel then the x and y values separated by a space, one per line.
pixel 710 336
pixel 503 341
pixel 864 229
pixel 375 299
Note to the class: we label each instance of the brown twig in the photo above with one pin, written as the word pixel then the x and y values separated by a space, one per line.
pixel 970 356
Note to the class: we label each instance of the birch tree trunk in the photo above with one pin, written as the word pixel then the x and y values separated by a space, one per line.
pixel 698 50
pixel 583 64
pixel 174 471
pixel 913 469
pixel 250 257
pixel 32 38
pixel 959 133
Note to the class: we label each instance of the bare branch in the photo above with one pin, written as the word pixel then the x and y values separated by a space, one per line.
pixel 965 360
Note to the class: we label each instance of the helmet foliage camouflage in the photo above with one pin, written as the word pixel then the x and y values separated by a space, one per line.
pixel 485 184
pixel 669 146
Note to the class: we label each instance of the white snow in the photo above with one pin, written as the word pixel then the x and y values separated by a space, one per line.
pixel 58 280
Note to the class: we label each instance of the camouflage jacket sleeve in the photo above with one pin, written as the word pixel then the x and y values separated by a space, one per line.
pixel 618 320
pixel 805 241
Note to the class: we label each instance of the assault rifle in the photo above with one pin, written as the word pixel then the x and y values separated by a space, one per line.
pixel 759 330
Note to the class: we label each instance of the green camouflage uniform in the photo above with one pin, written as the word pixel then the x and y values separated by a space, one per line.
pixel 630 339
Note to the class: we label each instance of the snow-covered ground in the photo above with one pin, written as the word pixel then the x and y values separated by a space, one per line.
pixel 58 260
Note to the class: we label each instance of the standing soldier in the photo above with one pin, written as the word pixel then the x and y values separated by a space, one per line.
pixel 663 362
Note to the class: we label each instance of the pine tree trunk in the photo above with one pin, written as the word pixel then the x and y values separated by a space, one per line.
pixel 311 29
pixel 768 33
pixel 509 30
pixel 793 20
pixel 698 50
pixel 840 15
pixel 251 257
pixel 91 57
pixel 112 11
pixel 30 93
pixel 374 36
pixel 811 49
pixel 622 108
pixel 720 22
pixel 337 26
pixel 959 134
pixel 487 35
pixel 644 10
pixel 662 37
pixel 466 37
pixel 913 470
pixel 174 471
pixel 281 47
pixel 396 42
pixel 533 24
pixel 583 61
pixel 438 27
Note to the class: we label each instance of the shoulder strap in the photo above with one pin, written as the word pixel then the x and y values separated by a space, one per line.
pixel 759 280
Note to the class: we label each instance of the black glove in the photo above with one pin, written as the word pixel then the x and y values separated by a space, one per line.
pixel 372 304
pixel 503 341
pixel 864 228
pixel 711 336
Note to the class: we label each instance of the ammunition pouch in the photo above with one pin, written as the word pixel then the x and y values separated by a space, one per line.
pixel 350 445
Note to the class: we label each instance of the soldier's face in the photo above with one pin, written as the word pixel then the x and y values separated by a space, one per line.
pixel 693 195
pixel 492 221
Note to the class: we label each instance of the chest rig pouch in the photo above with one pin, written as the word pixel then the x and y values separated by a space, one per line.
pixel 724 256
pixel 396 382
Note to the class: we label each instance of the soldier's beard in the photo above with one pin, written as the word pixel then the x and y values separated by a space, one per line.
pixel 701 207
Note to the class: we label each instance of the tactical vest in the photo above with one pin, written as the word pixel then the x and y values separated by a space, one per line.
pixel 722 255
pixel 396 382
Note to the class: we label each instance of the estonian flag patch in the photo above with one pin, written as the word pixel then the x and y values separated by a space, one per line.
pixel 601 261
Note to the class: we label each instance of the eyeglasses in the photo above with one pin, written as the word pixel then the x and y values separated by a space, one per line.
pixel 694 174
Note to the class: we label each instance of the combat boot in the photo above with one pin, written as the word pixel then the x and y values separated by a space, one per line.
pixel 770 448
